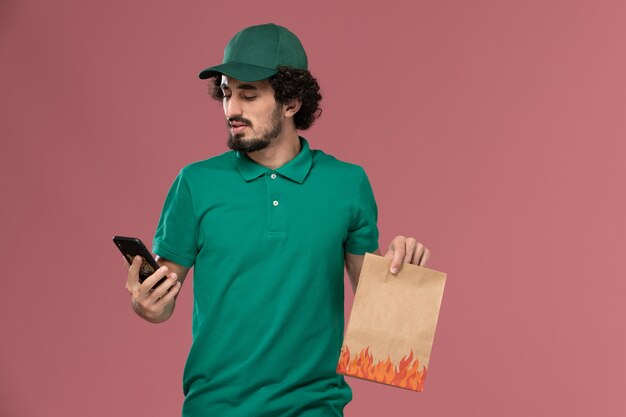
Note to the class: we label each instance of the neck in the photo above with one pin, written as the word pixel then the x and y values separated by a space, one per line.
pixel 279 152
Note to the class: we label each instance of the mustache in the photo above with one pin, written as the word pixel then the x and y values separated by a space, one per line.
pixel 238 119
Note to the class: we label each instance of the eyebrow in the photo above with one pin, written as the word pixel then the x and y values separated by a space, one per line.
pixel 241 87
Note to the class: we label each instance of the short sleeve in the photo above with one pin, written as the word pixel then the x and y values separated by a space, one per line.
pixel 363 232
pixel 175 237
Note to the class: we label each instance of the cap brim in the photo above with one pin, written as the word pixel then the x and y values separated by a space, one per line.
pixel 239 71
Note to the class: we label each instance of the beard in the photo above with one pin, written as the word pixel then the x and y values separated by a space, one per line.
pixel 238 143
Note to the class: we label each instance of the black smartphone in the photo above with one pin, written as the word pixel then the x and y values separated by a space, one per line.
pixel 131 247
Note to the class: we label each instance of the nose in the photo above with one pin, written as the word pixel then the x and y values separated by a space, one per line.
pixel 232 107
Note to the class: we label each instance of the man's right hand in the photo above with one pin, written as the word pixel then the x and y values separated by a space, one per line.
pixel 155 305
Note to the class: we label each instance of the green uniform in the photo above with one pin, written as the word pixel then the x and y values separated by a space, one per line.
pixel 268 250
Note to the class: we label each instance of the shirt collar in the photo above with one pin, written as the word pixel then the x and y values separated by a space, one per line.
pixel 297 169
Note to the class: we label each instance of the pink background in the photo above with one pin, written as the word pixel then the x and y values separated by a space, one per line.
pixel 493 131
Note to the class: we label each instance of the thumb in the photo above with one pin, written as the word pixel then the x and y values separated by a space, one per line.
pixel 396 257
pixel 133 271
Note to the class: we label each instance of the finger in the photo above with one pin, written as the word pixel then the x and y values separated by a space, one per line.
pixel 419 252
pixel 425 257
pixel 411 246
pixel 398 256
pixel 164 287
pixel 150 282
pixel 174 289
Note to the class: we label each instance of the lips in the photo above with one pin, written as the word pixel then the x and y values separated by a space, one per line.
pixel 237 128
pixel 237 125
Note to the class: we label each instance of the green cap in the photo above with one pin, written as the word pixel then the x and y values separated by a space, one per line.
pixel 256 52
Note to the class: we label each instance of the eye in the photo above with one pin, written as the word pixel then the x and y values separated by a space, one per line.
pixel 249 98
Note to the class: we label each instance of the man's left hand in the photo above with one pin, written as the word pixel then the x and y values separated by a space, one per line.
pixel 406 250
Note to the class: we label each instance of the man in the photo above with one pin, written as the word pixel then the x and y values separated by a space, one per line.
pixel 268 227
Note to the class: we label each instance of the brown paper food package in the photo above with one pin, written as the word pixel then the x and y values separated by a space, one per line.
pixel 392 324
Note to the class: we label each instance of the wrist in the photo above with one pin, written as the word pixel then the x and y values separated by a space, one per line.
pixel 151 316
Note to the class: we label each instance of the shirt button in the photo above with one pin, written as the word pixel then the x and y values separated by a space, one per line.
pixel 275 203
pixel 273 176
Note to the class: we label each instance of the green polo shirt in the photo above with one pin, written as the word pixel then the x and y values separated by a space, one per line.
pixel 268 250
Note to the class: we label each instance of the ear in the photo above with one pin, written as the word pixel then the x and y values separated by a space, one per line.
pixel 292 107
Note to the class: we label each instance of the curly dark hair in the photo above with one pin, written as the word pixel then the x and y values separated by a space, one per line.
pixel 288 84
